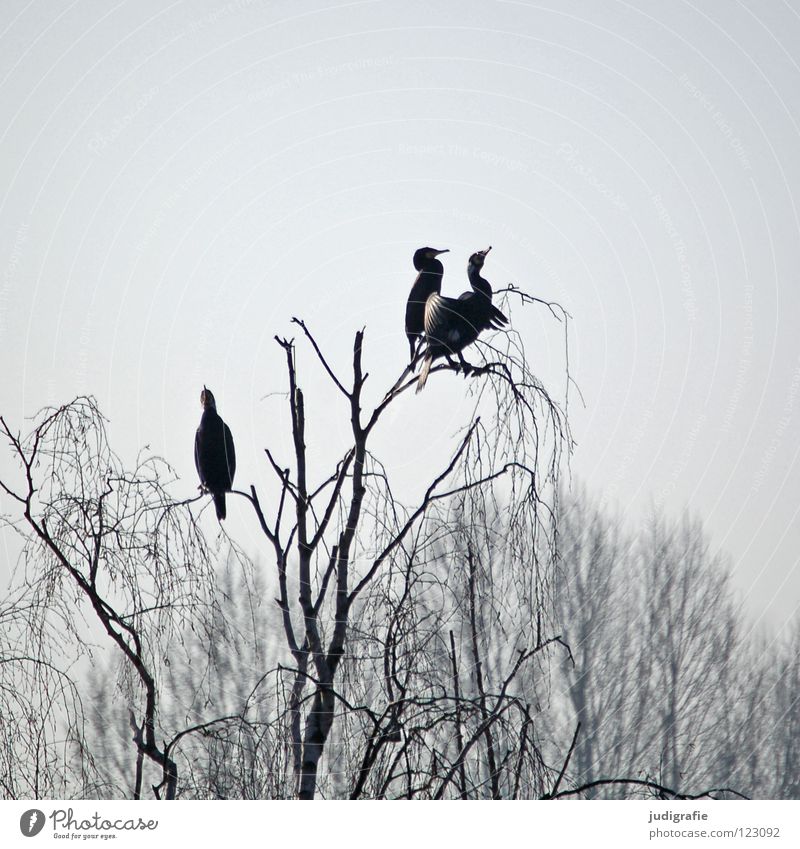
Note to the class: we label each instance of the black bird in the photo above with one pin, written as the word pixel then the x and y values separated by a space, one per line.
pixel 487 314
pixel 453 323
pixel 428 282
pixel 214 455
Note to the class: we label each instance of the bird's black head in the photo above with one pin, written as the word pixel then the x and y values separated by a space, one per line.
pixel 425 255
pixel 207 399
pixel 477 259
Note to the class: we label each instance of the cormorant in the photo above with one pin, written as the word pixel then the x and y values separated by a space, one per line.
pixel 488 315
pixel 214 455
pixel 428 282
pixel 453 323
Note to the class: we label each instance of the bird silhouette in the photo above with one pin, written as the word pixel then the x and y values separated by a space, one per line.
pixel 485 313
pixel 214 454
pixel 428 282
pixel 451 324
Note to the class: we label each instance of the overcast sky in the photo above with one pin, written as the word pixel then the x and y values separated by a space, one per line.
pixel 178 180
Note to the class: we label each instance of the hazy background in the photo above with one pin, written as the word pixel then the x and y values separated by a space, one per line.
pixel 177 181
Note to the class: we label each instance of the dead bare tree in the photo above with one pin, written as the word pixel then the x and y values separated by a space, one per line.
pixel 340 540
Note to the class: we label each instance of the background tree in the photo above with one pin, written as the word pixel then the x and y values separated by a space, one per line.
pixel 782 758
pixel 107 555
pixel 666 685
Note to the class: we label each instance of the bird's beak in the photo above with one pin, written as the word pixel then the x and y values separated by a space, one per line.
pixel 445 251
pixel 483 253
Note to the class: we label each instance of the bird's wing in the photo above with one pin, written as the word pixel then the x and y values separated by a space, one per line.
pixel 413 307
pixel 470 307
pixel 197 439
pixel 497 318
pixel 447 322
pixel 438 313
pixel 230 452
pixel 414 318
pixel 481 313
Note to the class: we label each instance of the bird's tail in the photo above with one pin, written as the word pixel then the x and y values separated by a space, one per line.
pixel 423 375
pixel 415 344
pixel 219 504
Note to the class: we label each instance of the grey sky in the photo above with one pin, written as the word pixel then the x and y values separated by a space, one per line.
pixel 177 181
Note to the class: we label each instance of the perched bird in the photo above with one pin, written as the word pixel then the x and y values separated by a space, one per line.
pixel 486 313
pixel 214 455
pixel 453 323
pixel 428 282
